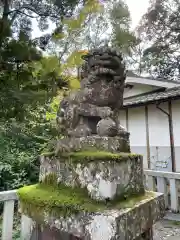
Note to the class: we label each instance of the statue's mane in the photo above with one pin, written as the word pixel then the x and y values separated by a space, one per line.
pixel 103 62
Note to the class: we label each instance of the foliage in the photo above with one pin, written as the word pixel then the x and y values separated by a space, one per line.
pixel 108 22
pixel 110 26
pixel 122 36
pixel 22 86
pixel 29 84
pixel 52 109
pixel 96 31
pixel 20 146
pixel 69 42
pixel 26 77
pixel 160 29
pixel 21 15
pixel 71 50
pixel 120 19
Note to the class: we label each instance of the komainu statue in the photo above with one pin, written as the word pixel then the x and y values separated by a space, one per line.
pixel 92 111
pixel 91 187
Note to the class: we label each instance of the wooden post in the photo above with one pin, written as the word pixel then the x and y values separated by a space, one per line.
pixel 162 188
pixel 171 134
pixel 174 196
pixel 8 214
pixel 147 137
pixel 151 183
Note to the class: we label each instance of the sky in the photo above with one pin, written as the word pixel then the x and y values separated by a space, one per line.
pixel 136 7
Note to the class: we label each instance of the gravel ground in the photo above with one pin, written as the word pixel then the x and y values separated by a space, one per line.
pixel 167 230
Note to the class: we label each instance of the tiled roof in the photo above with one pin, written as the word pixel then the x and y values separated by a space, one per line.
pixel 152 97
pixel 132 74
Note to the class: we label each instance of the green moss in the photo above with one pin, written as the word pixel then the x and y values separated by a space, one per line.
pixel 65 200
pixel 51 179
pixel 98 156
pixel 95 155
pixel 48 154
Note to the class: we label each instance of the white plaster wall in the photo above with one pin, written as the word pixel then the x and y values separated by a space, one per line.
pixel 137 129
pixel 138 89
pixel 158 134
pixel 159 138
pixel 176 131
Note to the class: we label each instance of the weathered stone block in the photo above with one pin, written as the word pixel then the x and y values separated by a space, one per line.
pixel 125 220
pixel 111 144
pixel 104 175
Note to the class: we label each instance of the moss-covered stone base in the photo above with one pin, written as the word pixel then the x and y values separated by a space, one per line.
pixel 66 200
pixel 73 212
pixel 105 175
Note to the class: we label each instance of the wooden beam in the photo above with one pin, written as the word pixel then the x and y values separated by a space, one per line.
pixel 147 137
pixel 8 195
pixel 171 135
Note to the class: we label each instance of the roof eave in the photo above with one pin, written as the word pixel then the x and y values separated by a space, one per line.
pixel 150 102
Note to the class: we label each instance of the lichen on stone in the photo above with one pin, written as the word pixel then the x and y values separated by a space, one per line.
pixel 64 200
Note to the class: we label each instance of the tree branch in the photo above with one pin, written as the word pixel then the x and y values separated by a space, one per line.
pixel 27 7
pixel 23 13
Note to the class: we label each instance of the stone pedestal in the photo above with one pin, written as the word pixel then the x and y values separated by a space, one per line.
pixel 104 175
pixel 92 196
pixel 132 219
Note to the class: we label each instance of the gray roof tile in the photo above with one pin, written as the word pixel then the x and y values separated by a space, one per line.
pixel 152 97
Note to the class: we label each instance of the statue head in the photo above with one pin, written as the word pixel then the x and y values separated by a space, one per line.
pixel 105 75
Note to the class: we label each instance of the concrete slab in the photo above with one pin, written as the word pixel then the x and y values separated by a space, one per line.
pixel 172 217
